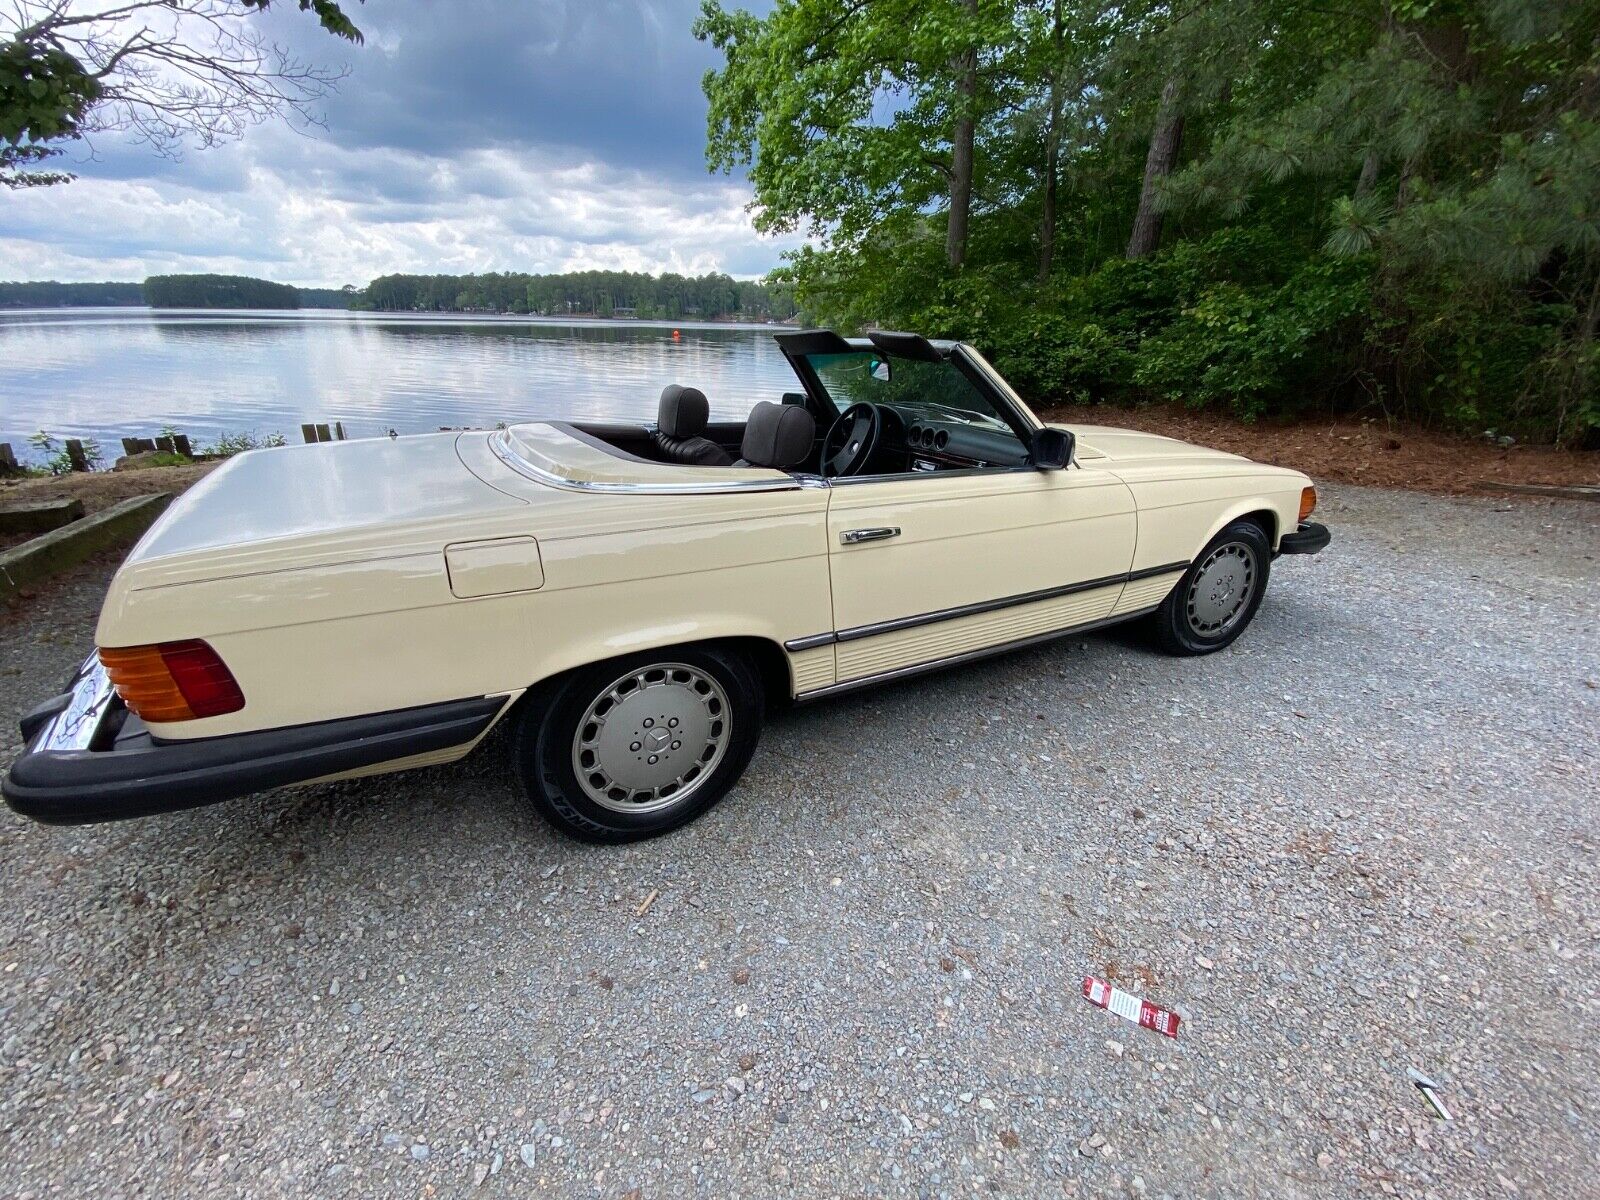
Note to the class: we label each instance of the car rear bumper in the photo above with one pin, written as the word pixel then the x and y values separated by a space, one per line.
pixel 1308 539
pixel 87 759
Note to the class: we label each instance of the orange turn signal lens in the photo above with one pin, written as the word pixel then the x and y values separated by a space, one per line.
pixel 1308 502
pixel 173 681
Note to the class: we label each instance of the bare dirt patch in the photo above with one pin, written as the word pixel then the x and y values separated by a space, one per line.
pixel 102 489
pixel 1347 450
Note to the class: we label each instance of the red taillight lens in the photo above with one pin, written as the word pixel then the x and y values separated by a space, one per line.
pixel 174 681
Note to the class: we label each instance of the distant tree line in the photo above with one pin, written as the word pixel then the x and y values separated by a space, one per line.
pixel 585 293
pixel 218 291
pixel 346 297
pixel 50 294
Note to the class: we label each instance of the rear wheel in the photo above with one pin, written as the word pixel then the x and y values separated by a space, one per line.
pixel 637 746
pixel 1219 593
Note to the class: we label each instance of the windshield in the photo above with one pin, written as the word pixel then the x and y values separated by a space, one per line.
pixel 936 391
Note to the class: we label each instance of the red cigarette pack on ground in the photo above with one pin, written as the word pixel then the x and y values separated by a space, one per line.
pixel 1129 1007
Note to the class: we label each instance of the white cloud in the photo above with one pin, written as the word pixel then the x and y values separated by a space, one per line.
pixel 477 135
pixel 322 215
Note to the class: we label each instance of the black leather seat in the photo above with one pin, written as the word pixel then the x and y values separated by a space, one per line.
pixel 680 429
pixel 777 435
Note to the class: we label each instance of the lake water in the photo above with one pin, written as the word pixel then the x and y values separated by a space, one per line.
pixel 110 373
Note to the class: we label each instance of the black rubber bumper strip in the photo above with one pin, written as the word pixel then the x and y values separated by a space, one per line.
pixel 142 776
pixel 1308 539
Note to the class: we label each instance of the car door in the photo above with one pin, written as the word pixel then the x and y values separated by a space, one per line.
pixel 932 566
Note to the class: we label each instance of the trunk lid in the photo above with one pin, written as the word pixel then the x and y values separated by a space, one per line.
pixel 356 499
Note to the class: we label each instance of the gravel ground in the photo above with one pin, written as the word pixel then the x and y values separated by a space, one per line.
pixel 1361 840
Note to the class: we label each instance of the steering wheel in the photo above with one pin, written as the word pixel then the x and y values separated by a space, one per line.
pixel 853 440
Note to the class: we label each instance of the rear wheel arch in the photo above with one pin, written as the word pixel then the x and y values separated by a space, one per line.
pixel 771 662
pixel 558 735
pixel 766 657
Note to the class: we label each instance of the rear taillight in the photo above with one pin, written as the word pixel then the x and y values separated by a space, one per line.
pixel 174 681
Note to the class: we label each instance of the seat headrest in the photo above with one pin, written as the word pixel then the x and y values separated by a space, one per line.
pixel 778 435
pixel 684 411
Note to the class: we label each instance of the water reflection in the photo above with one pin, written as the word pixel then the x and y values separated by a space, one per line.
pixel 110 373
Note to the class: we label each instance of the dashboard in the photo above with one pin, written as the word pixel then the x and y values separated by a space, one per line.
pixel 912 441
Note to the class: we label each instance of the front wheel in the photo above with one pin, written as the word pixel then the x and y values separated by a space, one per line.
pixel 1219 593
pixel 632 748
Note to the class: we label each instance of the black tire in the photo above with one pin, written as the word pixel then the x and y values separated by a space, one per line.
pixel 1190 622
pixel 547 753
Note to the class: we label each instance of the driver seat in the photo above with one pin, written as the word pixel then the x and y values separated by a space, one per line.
pixel 680 429
pixel 778 436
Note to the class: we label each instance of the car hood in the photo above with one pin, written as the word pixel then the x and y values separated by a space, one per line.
pixel 1107 445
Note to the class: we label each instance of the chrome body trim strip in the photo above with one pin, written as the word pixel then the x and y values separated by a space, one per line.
pixel 810 642
pixel 856 633
pixel 955 660
pixel 947 473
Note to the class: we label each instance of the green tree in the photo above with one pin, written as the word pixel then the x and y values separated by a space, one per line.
pixel 1266 205
pixel 167 72
pixel 845 113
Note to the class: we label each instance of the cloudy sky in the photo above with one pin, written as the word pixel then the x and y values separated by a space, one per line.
pixel 469 135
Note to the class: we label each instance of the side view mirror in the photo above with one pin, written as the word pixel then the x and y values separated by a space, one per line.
pixel 1052 449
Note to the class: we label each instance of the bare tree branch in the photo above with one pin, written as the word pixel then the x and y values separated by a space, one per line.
pixel 172 73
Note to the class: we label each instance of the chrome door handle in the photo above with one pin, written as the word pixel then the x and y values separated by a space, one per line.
pixel 851 537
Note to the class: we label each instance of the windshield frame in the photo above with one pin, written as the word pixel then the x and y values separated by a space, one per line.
pixel 971 365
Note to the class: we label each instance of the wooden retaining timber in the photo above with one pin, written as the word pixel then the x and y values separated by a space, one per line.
pixel 39 516
pixel 26 566
pixel 1576 491
pixel 178 443
pixel 8 460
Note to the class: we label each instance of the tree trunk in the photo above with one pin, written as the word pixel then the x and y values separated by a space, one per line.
pixel 1165 141
pixel 955 241
pixel 1052 154
pixel 1369 174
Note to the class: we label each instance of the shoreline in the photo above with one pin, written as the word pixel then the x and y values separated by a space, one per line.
pixel 1350 450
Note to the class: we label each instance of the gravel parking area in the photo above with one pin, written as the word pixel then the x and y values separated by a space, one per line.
pixel 1363 839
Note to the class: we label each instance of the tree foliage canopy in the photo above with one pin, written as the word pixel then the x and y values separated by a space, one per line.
pixel 600 293
pixel 1265 205
pixel 218 291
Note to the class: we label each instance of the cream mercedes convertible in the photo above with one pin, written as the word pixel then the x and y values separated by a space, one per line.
pixel 631 599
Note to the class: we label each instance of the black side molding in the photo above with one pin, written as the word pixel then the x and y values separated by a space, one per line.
pixel 855 633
